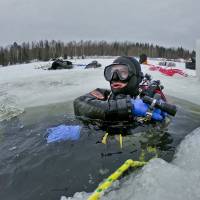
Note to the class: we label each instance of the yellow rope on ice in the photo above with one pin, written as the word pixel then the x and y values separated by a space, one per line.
pixel 113 177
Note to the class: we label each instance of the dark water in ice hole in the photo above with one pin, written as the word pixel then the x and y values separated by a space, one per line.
pixel 31 169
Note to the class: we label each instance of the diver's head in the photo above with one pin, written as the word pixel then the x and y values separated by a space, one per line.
pixel 124 75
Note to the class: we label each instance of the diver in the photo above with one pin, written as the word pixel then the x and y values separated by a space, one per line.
pixel 132 101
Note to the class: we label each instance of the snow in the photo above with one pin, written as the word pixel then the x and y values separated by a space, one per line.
pixel 27 85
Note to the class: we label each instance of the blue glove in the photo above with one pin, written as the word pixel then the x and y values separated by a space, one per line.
pixel 63 132
pixel 139 109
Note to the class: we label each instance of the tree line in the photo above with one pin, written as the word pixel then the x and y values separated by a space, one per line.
pixel 46 50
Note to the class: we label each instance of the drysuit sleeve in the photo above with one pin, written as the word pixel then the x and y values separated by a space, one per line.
pixel 97 105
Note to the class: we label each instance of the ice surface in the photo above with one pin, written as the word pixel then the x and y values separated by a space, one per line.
pixel 29 85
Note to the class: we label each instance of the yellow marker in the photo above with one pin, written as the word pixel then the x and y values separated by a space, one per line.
pixel 142 156
pixel 120 140
pixel 113 177
pixel 104 140
pixel 152 150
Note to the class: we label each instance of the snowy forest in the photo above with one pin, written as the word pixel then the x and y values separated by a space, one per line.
pixel 46 50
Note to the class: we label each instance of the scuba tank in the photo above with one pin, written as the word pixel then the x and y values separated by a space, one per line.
pixel 150 88
pixel 157 103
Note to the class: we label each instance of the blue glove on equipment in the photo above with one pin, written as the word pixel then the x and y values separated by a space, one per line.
pixel 63 132
pixel 139 109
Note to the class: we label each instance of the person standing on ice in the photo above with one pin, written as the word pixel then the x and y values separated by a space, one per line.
pixel 127 103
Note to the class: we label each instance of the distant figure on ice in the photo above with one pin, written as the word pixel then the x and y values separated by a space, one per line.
pixel 143 59
pixel 93 64
pixel 132 100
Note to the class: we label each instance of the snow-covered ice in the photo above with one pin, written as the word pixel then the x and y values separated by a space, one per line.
pixel 28 85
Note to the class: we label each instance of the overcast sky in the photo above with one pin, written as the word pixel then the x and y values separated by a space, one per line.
pixel 170 23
